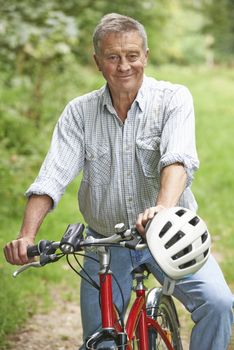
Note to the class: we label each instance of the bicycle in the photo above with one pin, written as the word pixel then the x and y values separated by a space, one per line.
pixel 152 322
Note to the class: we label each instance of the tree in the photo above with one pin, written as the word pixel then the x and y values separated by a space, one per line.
pixel 220 25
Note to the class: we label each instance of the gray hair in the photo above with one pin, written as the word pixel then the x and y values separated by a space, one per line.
pixel 116 23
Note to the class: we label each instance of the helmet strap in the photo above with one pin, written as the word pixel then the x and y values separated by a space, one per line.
pixel 168 286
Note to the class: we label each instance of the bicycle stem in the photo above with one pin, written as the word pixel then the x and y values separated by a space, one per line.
pixel 104 259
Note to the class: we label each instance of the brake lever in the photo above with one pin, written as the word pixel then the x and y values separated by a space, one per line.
pixel 44 260
pixel 140 246
pixel 134 244
pixel 140 240
pixel 26 267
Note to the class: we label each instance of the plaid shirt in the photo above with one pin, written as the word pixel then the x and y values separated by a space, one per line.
pixel 121 162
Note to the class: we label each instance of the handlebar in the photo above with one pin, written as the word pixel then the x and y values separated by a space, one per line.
pixel 73 241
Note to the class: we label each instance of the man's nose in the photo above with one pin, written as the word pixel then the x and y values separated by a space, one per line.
pixel 123 64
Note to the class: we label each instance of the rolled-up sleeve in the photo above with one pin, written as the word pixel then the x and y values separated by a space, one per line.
pixel 178 135
pixel 64 159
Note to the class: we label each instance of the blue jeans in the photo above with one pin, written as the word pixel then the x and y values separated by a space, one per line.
pixel 205 295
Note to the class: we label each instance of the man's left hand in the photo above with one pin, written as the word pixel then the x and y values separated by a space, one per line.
pixel 143 218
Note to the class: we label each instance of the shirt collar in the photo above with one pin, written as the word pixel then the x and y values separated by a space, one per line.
pixel 107 102
pixel 141 95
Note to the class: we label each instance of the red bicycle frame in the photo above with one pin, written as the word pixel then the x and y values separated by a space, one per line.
pixel 137 321
pixel 140 321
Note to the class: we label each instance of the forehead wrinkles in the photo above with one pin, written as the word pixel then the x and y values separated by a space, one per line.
pixel 128 41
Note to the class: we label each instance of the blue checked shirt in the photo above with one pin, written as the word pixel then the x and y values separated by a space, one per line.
pixel 121 162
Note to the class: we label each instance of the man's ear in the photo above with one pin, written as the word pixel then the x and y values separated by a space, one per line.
pixel 97 61
pixel 146 57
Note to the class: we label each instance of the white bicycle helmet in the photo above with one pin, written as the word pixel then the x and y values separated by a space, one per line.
pixel 179 241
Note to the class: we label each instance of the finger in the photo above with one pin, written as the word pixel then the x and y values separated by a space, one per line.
pixel 7 253
pixel 12 253
pixel 145 216
pixel 141 222
pixel 22 252
pixel 148 215
pixel 152 212
pixel 139 226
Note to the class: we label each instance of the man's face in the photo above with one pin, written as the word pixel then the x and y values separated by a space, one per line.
pixel 121 59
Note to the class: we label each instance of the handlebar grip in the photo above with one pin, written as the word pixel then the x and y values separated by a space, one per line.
pixel 32 251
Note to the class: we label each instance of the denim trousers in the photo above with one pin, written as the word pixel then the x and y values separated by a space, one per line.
pixel 205 295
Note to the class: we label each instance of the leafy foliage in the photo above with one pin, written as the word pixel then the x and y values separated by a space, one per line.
pixel 220 25
pixel 35 33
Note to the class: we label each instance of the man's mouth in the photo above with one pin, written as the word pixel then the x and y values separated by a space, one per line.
pixel 124 76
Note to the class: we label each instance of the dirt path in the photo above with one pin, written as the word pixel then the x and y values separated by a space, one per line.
pixel 60 328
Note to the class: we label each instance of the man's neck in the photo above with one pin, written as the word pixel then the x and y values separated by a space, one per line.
pixel 122 102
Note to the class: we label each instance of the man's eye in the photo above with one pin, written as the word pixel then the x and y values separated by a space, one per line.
pixel 113 58
pixel 132 57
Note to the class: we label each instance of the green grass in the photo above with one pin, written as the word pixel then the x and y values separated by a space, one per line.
pixel 213 186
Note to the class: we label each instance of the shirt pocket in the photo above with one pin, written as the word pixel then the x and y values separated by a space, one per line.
pixel 148 154
pixel 97 167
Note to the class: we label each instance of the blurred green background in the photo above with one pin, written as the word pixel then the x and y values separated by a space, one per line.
pixel 46 60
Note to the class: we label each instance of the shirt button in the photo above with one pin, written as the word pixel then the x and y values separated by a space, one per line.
pixel 130 199
pixel 129 173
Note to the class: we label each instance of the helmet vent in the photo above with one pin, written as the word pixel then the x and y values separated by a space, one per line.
pixel 165 228
pixel 204 237
pixel 174 239
pixel 206 252
pixel 194 221
pixel 180 212
pixel 182 252
pixel 188 264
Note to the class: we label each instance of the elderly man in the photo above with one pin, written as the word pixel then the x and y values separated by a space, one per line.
pixel 134 140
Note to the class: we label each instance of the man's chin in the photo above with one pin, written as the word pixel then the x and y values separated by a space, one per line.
pixel 128 86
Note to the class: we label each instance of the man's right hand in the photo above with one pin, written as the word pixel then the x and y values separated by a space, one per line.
pixel 16 251
pixel 37 208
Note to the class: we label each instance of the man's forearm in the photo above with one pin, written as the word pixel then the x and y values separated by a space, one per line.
pixel 36 210
pixel 172 185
